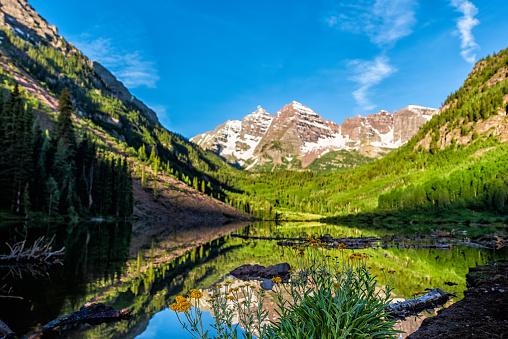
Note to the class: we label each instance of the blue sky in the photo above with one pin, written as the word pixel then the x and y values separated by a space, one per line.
pixel 200 63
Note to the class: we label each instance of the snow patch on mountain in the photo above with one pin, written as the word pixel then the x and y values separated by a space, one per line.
pixel 387 140
pixel 336 142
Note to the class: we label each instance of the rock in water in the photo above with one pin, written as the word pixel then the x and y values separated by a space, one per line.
pixel 245 272
pixel 267 285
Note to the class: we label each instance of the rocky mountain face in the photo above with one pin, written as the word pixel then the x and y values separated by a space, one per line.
pixel 237 139
pixel 297 135
pixel 21 18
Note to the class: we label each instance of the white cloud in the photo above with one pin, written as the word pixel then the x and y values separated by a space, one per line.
pixel 465 25
pixel 384 21
pixel 162 113
pixel 161 110
pixel 129 67
pixel 367 75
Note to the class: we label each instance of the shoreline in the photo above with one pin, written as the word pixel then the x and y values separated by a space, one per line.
pixel 482 313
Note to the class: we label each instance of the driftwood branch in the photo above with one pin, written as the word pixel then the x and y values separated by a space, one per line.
pixel 11 297
pixel 351 243
pixel 39 252
pixel 412 306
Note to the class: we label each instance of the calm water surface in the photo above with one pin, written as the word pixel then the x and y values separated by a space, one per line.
pixel 145 266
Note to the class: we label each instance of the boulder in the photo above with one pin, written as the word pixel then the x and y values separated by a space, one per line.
pixel 245 272
pixel 249 272
pixel 267 285
pixel 278 270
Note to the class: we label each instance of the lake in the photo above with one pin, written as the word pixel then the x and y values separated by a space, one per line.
pixel 144 266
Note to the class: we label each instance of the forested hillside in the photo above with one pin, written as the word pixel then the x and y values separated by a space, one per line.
pixel 115 127
pixel 129 129
pixel 57 173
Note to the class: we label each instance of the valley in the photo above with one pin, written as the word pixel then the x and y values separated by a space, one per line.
pixel 145 214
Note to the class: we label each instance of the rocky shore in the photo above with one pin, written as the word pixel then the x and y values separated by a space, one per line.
pixel 483 313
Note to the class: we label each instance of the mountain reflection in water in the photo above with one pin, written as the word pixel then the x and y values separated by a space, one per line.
pixel 145 266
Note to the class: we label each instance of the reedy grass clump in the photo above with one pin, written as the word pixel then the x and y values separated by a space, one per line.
pixel 326 296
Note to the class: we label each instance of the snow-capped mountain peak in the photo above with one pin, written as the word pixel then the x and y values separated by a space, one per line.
pixel 298 133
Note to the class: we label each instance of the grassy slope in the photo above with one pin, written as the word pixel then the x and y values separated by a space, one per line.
pixel 339 161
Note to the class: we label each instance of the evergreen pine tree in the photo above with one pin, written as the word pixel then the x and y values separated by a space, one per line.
pixel 53 196
pixel 64 124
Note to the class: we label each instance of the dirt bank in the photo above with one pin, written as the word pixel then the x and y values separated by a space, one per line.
pixel 483 313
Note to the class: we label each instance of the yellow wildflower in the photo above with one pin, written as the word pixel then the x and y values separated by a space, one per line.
pixel 180 299
pixel 276 280
pixel 196 294
pixel 181 305
pixel 184 307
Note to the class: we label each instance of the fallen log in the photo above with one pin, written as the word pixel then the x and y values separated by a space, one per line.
pixel 301 239
pixel 91 313
pixel 413 306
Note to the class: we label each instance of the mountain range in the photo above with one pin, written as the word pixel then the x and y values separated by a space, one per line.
pixel 296 135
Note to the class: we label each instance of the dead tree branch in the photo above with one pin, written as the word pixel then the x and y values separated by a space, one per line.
pixel 39 252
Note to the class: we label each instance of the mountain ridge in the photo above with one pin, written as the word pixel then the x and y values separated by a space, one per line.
pixel 297 135
pixel 20 17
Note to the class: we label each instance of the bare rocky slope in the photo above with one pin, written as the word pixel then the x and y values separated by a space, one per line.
pixel 25 22
pixel 297 135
